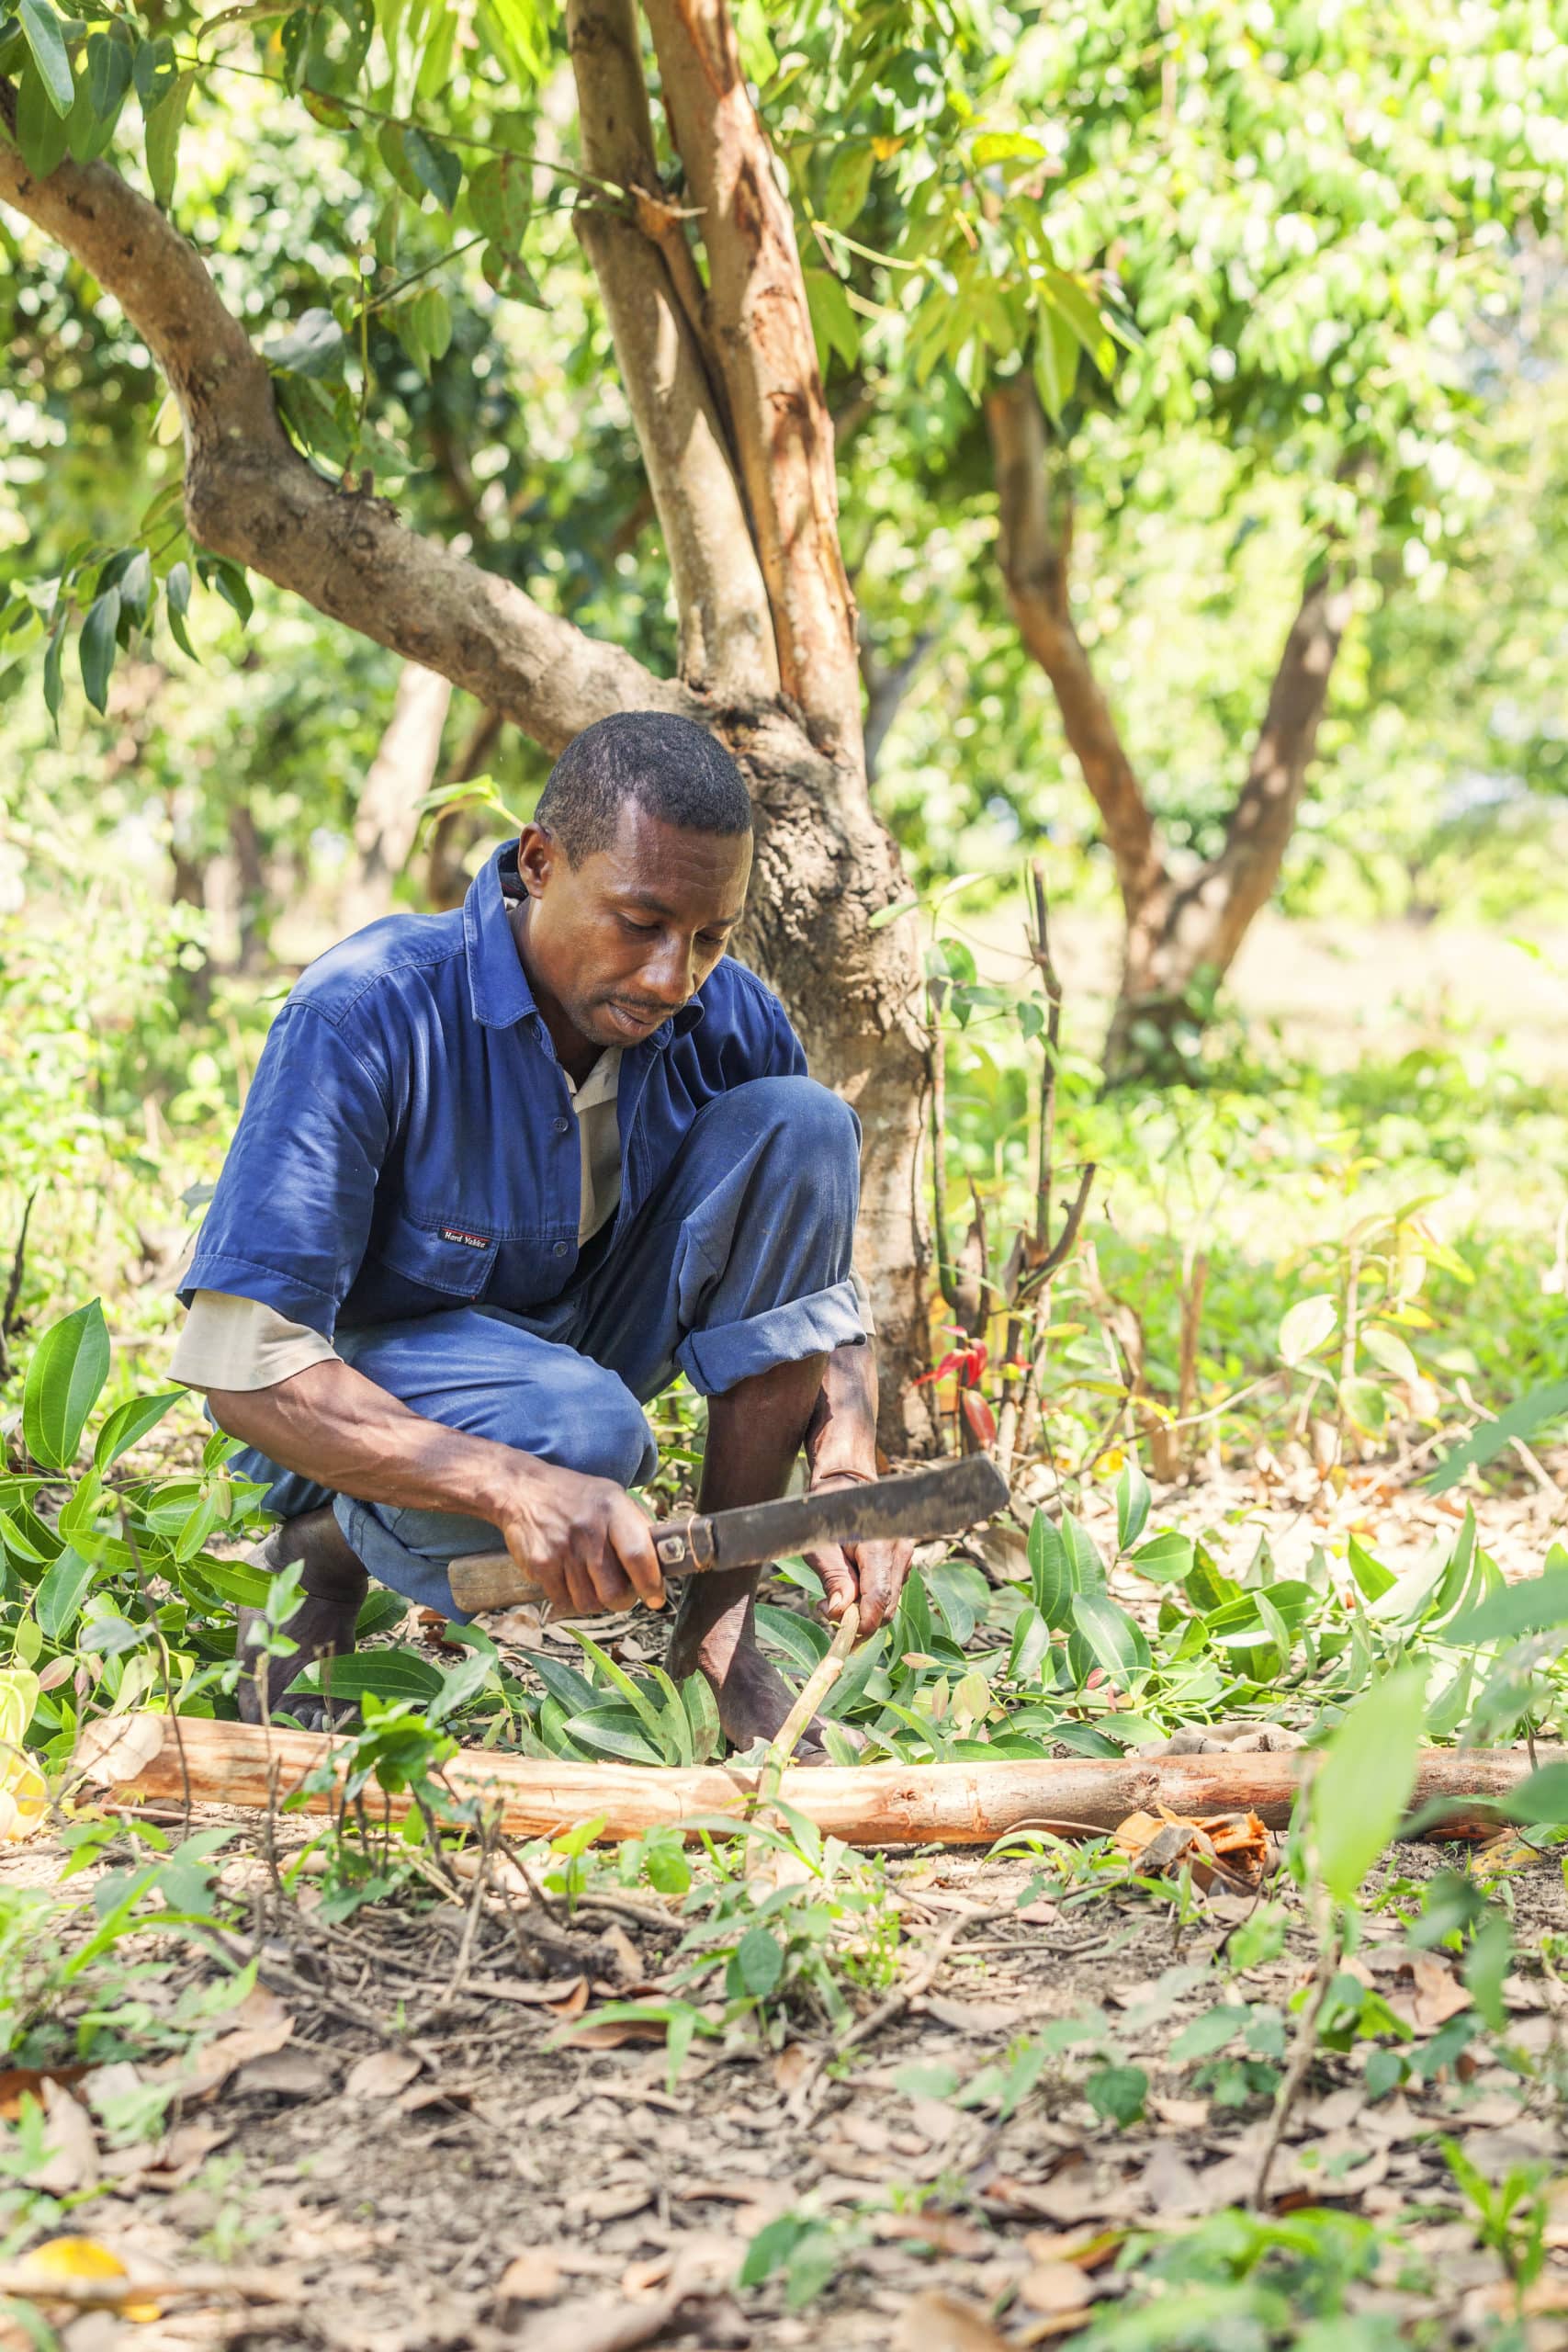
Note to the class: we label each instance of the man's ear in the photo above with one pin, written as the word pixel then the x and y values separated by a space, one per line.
pixel 536 855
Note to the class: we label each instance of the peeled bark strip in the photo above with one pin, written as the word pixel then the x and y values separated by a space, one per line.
pixel 137 1759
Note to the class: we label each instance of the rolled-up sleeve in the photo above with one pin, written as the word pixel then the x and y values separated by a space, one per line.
pixel 291 1217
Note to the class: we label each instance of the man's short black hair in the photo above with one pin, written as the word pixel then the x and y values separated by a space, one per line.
pixel 670 766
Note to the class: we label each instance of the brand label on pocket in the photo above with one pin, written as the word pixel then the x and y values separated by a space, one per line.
pixel 469 1240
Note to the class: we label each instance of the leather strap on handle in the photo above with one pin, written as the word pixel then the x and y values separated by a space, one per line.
pixel 493 1580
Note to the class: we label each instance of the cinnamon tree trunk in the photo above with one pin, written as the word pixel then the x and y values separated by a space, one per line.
pixel 1182 927
pixel 721 377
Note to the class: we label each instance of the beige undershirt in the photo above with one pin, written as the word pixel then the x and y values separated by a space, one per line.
pixel 240 1343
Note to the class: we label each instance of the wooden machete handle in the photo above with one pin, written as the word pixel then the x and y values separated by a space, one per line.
pixel 493 1580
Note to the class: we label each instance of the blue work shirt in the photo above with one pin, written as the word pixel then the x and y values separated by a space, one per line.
pixel 409 1141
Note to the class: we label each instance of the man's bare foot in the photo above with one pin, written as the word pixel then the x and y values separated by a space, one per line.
pixel 754 1700
pixel 333 1586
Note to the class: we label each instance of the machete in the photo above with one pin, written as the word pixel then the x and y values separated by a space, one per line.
pixel 938 1501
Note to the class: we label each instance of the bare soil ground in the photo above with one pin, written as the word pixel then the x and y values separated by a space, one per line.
pixel 388 2158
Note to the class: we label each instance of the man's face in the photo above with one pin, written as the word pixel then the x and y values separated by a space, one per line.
pixel 627 938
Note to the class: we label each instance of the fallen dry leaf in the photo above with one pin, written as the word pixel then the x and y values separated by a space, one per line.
pixel 289 2073
pixel 381 2073
pixel 72 2164
pixel 17 2083
pixel 949 2232
pixel 532 2277
pixel 78 2265
pixel 938 2323
pixel 616 2032
pixel 1057 2286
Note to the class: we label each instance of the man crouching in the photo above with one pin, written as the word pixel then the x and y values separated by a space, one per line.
pixel 502 1175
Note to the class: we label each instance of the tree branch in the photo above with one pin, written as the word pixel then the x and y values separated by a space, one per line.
pixel 760 324
pixel 250 495
pixel 727 631
pixel 1035 547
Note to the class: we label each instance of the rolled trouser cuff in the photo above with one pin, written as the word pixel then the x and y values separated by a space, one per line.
pixel 723 1355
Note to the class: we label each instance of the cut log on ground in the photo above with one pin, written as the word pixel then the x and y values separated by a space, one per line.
pixel 144 1758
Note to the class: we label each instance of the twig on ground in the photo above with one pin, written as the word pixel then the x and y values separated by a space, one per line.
pixel 1303 2050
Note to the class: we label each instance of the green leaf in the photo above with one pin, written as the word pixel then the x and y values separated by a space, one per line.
pixel 1541 1799
pixel 1386 1347
pixel 702 1714
pixel 313 347
pixel 1373 1578
pixel 642 1706
pixel 130 1422
pixel 1006 147
pixel 760 1961
pixel 64 1379
pixel 1207 2033
pixel 832 321
pixel 1535 1605
pixel 1306 1326
pixel 498 199
pixel 53 688
pixel 164 127
pixel 42 133
pixel 1116 1642
pixel 153 70
pixel 46 39
pixel 1117 2093
pixel 962 1595
pixel 61 1590
pixel 614 1730
pixel 389 147
pixel 1165 1559
pixel 98 647
pixel 849 184
pixel 381 1674
pixel 1363 1402
pixel 1133 1500
pixel 434 167
pixel 1056 363
pixel 1050 1572
pixel 1359 1790
pixel 1548 1402
pixel 176 604
pixel 510 275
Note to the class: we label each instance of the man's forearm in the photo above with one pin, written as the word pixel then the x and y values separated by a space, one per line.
pixel 331 1424
pixel 842 1436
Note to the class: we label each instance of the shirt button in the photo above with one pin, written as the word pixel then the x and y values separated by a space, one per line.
pixel 561 1249
pixel 562 1126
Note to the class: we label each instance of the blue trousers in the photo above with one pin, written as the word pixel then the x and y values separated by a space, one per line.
pixel 740 1262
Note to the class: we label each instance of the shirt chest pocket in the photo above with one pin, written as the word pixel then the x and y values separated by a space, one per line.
pixel 455 1259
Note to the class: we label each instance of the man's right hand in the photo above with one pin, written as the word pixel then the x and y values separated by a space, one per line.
pixel 582 1540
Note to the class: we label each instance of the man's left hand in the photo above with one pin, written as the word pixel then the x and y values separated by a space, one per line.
pixel 872 1574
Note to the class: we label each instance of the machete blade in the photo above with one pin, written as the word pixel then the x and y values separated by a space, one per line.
pixel 938 1501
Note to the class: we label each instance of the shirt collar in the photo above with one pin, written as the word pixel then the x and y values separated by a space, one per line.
pixel 498 985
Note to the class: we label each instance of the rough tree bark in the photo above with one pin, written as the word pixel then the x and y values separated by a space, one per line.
pixel 724 390
pixel 1179 926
